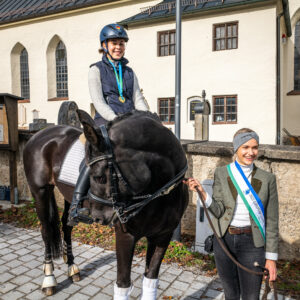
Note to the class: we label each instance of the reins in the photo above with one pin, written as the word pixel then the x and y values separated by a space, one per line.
pixel 221 243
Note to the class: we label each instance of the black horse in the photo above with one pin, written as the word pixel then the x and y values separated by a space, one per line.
pixel 147 157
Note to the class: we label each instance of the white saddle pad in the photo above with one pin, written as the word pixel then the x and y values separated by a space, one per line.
pixel 69 171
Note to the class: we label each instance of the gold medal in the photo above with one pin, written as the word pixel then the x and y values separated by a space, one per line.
pixel 121 99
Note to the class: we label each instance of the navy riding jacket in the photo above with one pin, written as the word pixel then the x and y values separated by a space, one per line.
pixel 110 88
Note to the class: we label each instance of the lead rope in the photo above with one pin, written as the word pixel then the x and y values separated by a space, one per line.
pixel 221 243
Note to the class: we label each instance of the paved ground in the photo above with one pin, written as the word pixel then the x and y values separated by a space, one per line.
pixel 21 258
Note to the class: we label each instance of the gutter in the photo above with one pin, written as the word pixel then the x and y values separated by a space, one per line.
pixel 278 81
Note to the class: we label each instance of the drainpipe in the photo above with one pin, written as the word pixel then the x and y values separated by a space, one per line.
pixel 278 80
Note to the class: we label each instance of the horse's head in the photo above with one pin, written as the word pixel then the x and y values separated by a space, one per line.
pixel 144 151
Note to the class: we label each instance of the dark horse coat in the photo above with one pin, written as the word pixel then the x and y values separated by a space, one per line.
pixel 148 155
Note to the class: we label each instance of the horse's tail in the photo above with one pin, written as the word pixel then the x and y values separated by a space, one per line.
pixel 53 229
pixel 48 214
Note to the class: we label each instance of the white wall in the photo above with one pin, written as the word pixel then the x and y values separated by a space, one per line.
pixel 80 34
pixel 248 71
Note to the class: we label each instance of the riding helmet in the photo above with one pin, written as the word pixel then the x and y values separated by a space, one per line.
pixel 113 31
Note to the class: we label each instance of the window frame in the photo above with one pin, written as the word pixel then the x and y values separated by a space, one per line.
pixel 214 35
pixel 296 81
pixel 159 33
pixel 169 115
pixel 225 109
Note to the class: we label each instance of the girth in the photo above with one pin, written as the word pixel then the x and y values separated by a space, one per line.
pixel 126 210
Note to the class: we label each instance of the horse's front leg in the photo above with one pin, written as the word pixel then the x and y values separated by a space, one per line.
pixel 73 270
pixel 125 243
pixel 155 253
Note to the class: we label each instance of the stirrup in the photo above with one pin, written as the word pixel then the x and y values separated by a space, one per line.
pixel 77 215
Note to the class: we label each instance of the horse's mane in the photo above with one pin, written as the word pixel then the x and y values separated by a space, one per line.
pixel 134 114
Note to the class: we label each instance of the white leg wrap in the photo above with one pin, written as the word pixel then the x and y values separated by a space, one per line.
pixel 149 289
pixel 72 270
pixel 49 281
pixel 122 293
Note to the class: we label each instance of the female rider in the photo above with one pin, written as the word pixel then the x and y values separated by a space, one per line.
pixel 245 209
pixel 114 90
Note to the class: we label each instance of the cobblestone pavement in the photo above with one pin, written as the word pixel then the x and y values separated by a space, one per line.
pixel 21 259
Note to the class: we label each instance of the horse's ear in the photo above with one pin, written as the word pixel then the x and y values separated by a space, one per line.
pixel 89 128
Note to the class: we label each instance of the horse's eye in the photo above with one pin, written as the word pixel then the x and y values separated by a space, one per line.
pixel 100 179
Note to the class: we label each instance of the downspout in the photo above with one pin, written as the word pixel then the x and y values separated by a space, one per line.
pixel 278 80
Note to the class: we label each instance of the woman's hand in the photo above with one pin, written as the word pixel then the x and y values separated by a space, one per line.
pixel 271 266
pixel 192 183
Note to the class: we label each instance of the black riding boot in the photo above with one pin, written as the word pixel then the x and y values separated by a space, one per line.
pixel 76 214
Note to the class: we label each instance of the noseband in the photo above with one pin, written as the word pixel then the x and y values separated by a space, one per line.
pixel 125 210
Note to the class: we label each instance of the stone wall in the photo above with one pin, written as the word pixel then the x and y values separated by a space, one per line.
pixel 203 158
pixel 283 161
pixel 23 189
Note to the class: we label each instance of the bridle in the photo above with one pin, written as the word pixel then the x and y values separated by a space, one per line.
pixel 126 210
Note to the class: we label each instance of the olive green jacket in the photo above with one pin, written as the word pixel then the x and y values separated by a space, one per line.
pixel 224 201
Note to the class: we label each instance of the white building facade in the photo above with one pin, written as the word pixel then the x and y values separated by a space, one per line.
pixel 229 50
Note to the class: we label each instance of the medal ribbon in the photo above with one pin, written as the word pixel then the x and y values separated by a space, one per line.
pixel 248 195
pixel 119 80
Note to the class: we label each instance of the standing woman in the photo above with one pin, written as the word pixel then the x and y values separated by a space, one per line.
pixel 245 209
pixel 114 90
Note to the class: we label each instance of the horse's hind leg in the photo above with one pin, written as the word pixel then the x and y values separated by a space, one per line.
pixel 73 270
pixel 155 253
pixel 48 215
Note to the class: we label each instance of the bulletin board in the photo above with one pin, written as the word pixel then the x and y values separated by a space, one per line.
pixel 4 136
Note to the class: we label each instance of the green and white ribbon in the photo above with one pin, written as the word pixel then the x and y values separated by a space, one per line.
pixel 248 195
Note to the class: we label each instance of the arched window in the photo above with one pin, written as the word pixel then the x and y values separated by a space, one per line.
pixel 24 75
pixel 297 57
pixel 61 70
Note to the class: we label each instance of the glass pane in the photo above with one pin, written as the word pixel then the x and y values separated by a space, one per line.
pixel 234 31
pixel 172 38
pixel 223 32
pixel 162 39
pixel 234 46
pixel 61 70
pixel 218 45
pixel 222 44
pixel 218 32
pixel 218 118
pixel 229 44
pixel 172 50
pixel 166 39
pixel 229 30
pixel 231 100
pixel 24 74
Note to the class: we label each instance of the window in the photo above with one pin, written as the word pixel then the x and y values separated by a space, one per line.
pixel 166 110
pixel 61 70
pixel 297 58
pixel 24 72
pixel 225 36
pixel 166 43
pixel 224 109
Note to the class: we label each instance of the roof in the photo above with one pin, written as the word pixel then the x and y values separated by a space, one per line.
pixel 17 10
pixel 167 9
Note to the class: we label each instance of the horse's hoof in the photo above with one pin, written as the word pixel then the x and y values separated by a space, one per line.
pixel 76 277
pixel 49 291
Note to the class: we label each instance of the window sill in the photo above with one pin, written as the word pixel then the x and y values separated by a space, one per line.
pixel 24 101
pixel 220 123
pixel 168 123
pixel 293 93
pixel 58 99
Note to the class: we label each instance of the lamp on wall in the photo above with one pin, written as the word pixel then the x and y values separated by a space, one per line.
pixel 283 38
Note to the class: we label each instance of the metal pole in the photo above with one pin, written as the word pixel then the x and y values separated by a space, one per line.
pixel 178 69
pixel 177 231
